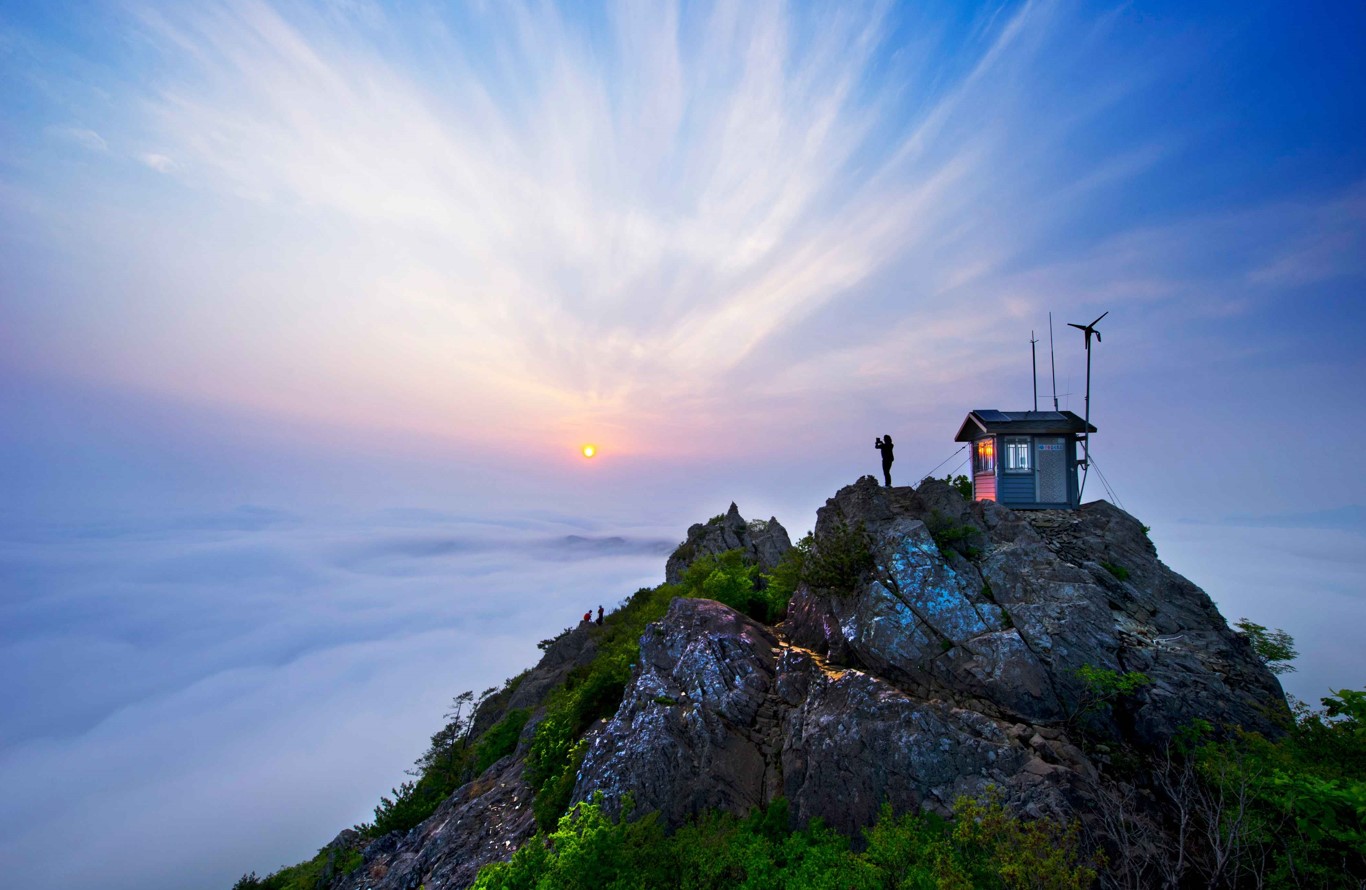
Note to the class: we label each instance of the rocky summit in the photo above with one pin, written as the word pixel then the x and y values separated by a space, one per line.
pixel 934 647
pixel 764 543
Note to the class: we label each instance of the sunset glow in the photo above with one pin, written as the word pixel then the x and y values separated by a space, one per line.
pixel 304 305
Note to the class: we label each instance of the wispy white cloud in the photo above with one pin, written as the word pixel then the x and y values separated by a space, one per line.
pixel 500 224
pixel 603 241
pixel 158 162
pixel 82 136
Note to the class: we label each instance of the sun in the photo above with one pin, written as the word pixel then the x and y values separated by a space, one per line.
pixel 590 450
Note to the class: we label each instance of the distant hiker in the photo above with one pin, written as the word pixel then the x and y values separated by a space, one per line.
pixel 885 446
pixel 588 616
pixel 599 616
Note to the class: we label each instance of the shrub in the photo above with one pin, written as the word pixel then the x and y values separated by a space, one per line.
pixel 1117 570
pixel 1102 688
pixel 500 740
pixel 961 484
pixel 1034 853
pixel 782 581
pixel 731 579
pixel 840 562
pixel 1280 813
pixel 543 645
pixel 1275 648
pixel 951 536
pixel 985 847
pixel 319 871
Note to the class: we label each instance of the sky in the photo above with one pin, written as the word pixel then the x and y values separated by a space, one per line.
pixel 306 310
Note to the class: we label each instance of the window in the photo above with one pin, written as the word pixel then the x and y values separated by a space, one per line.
pixel 1017 454
pixel 984 457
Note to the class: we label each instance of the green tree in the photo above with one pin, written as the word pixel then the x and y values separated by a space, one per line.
pixel 1275 648
pixel 1103 688
pixel 961 484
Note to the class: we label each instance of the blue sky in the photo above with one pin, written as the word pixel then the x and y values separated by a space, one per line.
pixel 294 296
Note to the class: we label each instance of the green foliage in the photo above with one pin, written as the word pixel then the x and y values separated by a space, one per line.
pixel 950 536
pixel 447 764
pixel 1117 570
pixel 783 581
pixel 961 484
pixel 729 578
pixel 840 563
pixel 557 787
pixel 917 852
pixel 543 645
pixel 500 740
pixel 986 848
pixel 1102 688
pixel 317 872
pixel 1275 648
pixel 590 692
pixel 1038 853
pixel 1294 810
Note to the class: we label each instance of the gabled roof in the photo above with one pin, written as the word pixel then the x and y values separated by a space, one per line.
pixel 988 421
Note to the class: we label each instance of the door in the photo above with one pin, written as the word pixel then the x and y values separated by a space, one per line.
pixel 1052 472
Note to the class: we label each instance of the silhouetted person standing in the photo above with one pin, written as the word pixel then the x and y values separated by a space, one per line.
pixel 599 616
pixel 885 446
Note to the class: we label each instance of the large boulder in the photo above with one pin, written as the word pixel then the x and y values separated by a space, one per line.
pixel 721 713
pixel 693 729
pixel 763 543
pixel 484 821
pixel 1003 612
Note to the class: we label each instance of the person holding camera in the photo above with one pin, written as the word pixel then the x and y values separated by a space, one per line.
pixel 884 445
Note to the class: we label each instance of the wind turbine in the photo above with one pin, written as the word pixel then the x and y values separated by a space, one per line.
pixel 1088 330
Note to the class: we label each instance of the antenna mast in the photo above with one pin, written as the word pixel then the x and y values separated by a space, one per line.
pixel 1034 368
pixel 1088 330
pixel 1051 364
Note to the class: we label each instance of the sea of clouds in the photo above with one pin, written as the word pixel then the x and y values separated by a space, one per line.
pixel 193 698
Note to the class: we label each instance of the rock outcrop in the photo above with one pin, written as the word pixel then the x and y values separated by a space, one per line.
pixel 952 664
pixel 948 661
pixel 763 542
pixel 723 714
pixel 482 822
pixel 1047 593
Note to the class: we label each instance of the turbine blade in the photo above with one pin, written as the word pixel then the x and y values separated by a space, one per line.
pixel 1097 321
pixel 1080 327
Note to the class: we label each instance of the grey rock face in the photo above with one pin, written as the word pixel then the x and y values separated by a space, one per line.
pixel 482 822
pixel 723 714
pixel 937 676
pixel 1049 592
pixel 947 669
pixel 688 735
pixel 764 542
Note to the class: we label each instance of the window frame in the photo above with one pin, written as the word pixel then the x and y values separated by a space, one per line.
pixel 1018 445
pixel 984 464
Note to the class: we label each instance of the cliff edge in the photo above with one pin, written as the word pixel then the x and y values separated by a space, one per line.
pixel 934 647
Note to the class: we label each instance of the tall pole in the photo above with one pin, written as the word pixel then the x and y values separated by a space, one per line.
pixel 1051 364
pixel 1034 368
pixel 1086 432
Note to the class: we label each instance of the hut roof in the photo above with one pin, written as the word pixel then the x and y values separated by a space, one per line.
pixel 985 421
